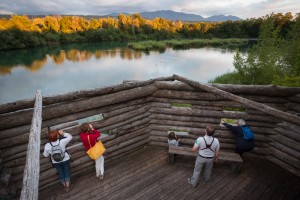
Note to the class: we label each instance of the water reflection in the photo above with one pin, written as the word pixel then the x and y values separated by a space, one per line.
pixel 35 59
pixel 76 67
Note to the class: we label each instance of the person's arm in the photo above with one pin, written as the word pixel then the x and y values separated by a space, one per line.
pixel 230 127
pixel 217 153
pixel 195 148
pixel 94 137
pixel 67 139
pixel 46 152
pixel 95 134
pixel 196 145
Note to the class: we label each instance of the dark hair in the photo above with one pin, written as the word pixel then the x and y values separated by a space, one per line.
pixel 53 135
pixel 84 128
pixel 172 136
pixel 210 130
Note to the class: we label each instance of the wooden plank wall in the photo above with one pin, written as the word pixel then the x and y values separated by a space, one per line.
pixel 139 113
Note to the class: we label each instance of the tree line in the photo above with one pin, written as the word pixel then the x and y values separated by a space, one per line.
pixel 22 31
pixel 275 59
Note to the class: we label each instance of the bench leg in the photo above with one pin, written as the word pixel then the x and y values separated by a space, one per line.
pixel 171 158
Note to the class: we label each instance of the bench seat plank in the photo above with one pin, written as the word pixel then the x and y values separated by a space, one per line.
pixel 234 158
pixel 224 155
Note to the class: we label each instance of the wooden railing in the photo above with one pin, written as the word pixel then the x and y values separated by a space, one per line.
pixel 30 187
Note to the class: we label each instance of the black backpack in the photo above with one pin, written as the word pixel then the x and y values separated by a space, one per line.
pixel 208 146
pixel 57 153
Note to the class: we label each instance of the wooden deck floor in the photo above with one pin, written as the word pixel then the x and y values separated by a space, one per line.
pixel 146 174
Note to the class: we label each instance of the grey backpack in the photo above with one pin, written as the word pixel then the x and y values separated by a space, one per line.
pixel 57 153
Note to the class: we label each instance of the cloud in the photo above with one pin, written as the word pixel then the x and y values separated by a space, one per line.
pixel 243 9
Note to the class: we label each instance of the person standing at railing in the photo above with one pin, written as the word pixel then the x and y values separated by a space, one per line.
pixel 208 149
pixel 89 137
pixel 60 158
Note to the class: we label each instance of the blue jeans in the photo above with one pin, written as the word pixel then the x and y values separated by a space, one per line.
pixel 63 170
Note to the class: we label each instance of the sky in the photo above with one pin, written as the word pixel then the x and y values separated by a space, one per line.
pixel 206 8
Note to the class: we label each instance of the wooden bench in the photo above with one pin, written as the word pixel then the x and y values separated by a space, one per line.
pixel 234 159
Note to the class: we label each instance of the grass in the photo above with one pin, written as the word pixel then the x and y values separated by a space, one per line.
pixel 234 109
pixel 185 43
pixel 185 105
pixel 229 121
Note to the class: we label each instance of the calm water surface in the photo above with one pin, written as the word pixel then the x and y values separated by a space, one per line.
pixel 70 68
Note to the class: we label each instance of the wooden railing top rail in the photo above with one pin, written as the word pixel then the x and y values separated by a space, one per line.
pixel 30 186
pixel 47 100
pixel 258 106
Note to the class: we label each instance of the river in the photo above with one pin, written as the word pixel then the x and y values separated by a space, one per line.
pixel 68 68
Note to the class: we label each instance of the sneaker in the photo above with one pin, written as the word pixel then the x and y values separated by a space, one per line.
pixel 67 189
pixel 189 181
pixel 101 177
pixel 207 180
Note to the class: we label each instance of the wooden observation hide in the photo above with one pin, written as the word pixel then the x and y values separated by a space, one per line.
pixel 141 113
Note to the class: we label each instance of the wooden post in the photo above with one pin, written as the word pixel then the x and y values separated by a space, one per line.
pixel 30 187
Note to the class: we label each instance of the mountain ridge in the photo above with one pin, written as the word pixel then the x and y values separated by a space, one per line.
pixel 166 14
pixel 172 15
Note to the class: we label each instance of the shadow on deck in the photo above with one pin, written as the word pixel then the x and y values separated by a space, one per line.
pixel 146 174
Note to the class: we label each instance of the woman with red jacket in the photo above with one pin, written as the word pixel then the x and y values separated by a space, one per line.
pixel 89 137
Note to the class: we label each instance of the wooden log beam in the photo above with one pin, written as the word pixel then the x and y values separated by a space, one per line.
pixel 293 106
pixel 158 144
pixel 140 124
pixel 122 117
pixel 32 167
pixel 172 94
pixel 288 133
pixel 261 107
pixel 127 137
pixel 295 98
pixel 292 127
pixel 59 110
pixel 120 125
pixel 126 147
pixel 184 118
pixel 127 143
pixel 48 100
pixel 287 142
pixel 11 132
pixel 17 146
pixel 213 114
pixel 222 103
pixel 178 86
pixel 202 107
pixel 284 166
pixel 285 149
pixel 264 90
pixel 265 99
